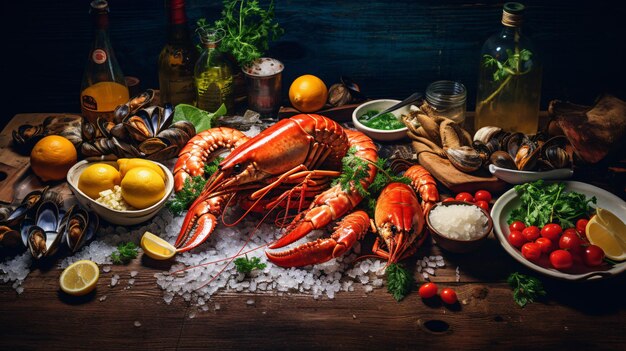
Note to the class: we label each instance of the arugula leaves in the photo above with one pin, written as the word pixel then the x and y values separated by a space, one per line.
pixel 548 203
pixel 125 252
pixel 248 29
pixel 192 188
pixel 399 281
pixel 246 265
pixel 525 288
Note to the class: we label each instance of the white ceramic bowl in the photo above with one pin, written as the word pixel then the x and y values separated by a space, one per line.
pixel 115 216
pixel 513 176
pixel 510 200
pixel 380 105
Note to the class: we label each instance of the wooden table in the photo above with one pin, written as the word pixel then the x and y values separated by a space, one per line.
pixel 574 316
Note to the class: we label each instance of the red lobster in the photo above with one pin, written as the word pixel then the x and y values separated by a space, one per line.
pixel 293 159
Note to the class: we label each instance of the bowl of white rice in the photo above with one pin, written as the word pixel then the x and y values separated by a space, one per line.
pixel 459 226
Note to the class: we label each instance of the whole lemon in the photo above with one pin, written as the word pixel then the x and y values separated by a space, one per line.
pixel 52 157
pixel 308 93
pixel 126 164
pixel 98 177
pixel 142 187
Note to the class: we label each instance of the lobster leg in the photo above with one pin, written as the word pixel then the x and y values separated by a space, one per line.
pixel 199 223
pixel 353 227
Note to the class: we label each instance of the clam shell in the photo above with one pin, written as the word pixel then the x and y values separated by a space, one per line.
pixel 464 158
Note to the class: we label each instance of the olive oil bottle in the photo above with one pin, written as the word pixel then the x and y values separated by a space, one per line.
pixel 509 80
pixel 213 74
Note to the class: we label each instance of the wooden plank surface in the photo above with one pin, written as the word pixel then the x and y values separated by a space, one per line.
pixel 574 315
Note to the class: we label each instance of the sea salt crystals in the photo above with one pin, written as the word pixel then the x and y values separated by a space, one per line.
pixel 428 265
pixel 460 222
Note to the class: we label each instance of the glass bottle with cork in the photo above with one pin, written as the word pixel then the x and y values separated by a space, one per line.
pixel 213 74
pixel 177 59
pixel 103 86
pixel 509 81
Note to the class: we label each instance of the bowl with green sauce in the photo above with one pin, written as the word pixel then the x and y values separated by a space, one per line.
pixel 386 127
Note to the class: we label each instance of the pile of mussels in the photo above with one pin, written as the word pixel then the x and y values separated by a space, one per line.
pixel 512 151
pixel 44 227
pixel 139 129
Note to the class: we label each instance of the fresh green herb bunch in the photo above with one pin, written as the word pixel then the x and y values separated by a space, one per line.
pixel 505 71
pixel 248 29
pixel 525 288
pixel 548 203
pixel 125 253
pixel 246 265
pixel 192 189
pixel 399 281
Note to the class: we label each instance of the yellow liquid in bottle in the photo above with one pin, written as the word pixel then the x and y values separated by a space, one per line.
pixel 100 99
pixel 214 86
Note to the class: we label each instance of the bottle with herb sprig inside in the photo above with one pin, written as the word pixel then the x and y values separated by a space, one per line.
pixel 509 80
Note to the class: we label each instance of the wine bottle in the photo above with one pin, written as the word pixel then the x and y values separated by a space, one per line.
pixel 177 59
pixel 103 86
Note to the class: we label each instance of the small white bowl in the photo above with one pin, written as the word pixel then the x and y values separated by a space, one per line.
pixel 115 216
pixel 380 105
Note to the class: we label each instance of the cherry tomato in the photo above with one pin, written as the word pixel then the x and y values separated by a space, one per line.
pixel 593 256
pixel 581 226
pixel 551 231
pixel 570 241
pixel 531 251
pixel 546 245
pixel 561 259
pixel 517 225
pixel 449 199
pixel 428 290
pixel 448 296
pixel 531 233
pixel 482 204
pixel 517 239
pixel 482 195
pixel 467 197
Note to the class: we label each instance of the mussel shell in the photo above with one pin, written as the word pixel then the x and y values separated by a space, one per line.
pixel 185 126
pixel 486 133
pixel 514 141
pixel 121 113
pixel 152 145
pixel 74 227
pixel 119 131
pixel 464 158
pixel 28 204
pixel 88 130
pixel 141 100
pixel 89 149
pixel 526 157
pixel 48 216
pixel 164 154
pixel 175 136
pixel 104 145
pixel 105 126
pixel 138 126
pixel 502 159
pixel 556 156
pixel 482 148
pixel 37 242
pixel 5 212
pixel 352 87
pixel 124 149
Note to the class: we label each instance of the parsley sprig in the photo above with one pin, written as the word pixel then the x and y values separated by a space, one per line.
pixel 525 288
pixel 548 203
pixel 506 70
pixel 192 189
pixel 125 253
pixel 399 281
pixel 246 265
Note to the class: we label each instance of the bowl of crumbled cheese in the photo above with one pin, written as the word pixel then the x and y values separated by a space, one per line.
pixel 459 226
pixel 111 206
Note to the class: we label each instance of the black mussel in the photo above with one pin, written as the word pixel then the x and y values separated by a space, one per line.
pixel 556 156
pixel 89 150
pixel 119 131
pixel 526 156
pixel 28 205
pixel 354 88
pixel 502 159
pixel 175 136
pixel 105 126
pixel 5 212
pixel 152 145
pixel 47 216
pixel 88 130
pixel 164 154
pixel 124 149
pixel 26 136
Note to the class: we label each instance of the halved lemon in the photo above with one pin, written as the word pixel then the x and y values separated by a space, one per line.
pixel 606 237
pixel 79 278
pixel 157 248
pixel 610 220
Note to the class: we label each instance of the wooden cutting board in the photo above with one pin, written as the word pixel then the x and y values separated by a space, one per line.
pixel 16 178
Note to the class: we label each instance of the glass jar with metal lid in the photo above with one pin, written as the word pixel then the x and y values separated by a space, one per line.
pixel 448 99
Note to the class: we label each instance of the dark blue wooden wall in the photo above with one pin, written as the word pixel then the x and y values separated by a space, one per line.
pixel 391 48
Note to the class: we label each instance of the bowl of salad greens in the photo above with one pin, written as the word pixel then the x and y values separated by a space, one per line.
pixel 385 127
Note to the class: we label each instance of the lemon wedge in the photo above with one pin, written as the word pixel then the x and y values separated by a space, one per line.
pixel 79 278
pixel 604 232
pixel 610 220
pixel 157 248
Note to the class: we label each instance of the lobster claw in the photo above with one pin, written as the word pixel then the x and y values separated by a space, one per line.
pixel 353 227
pixel 200 216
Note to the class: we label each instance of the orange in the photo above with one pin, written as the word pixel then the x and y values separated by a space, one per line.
pixel 308 93
pixel 52 157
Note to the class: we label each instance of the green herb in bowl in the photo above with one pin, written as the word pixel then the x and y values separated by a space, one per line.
pixel 386 121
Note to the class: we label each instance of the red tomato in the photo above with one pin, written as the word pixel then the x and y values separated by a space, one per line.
pixel 482 204
pixel 531 233
pixel 448 296
pixel 551 231
pixel 531 251
pixel 581 226
pixel 482 195
pixel 517 239
pixel 570 241
pixel 517 225
pixel 449 199
pixel 428 290
pixel 467 197
pixel 561 259
pixel 593 256
pixel 546 245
